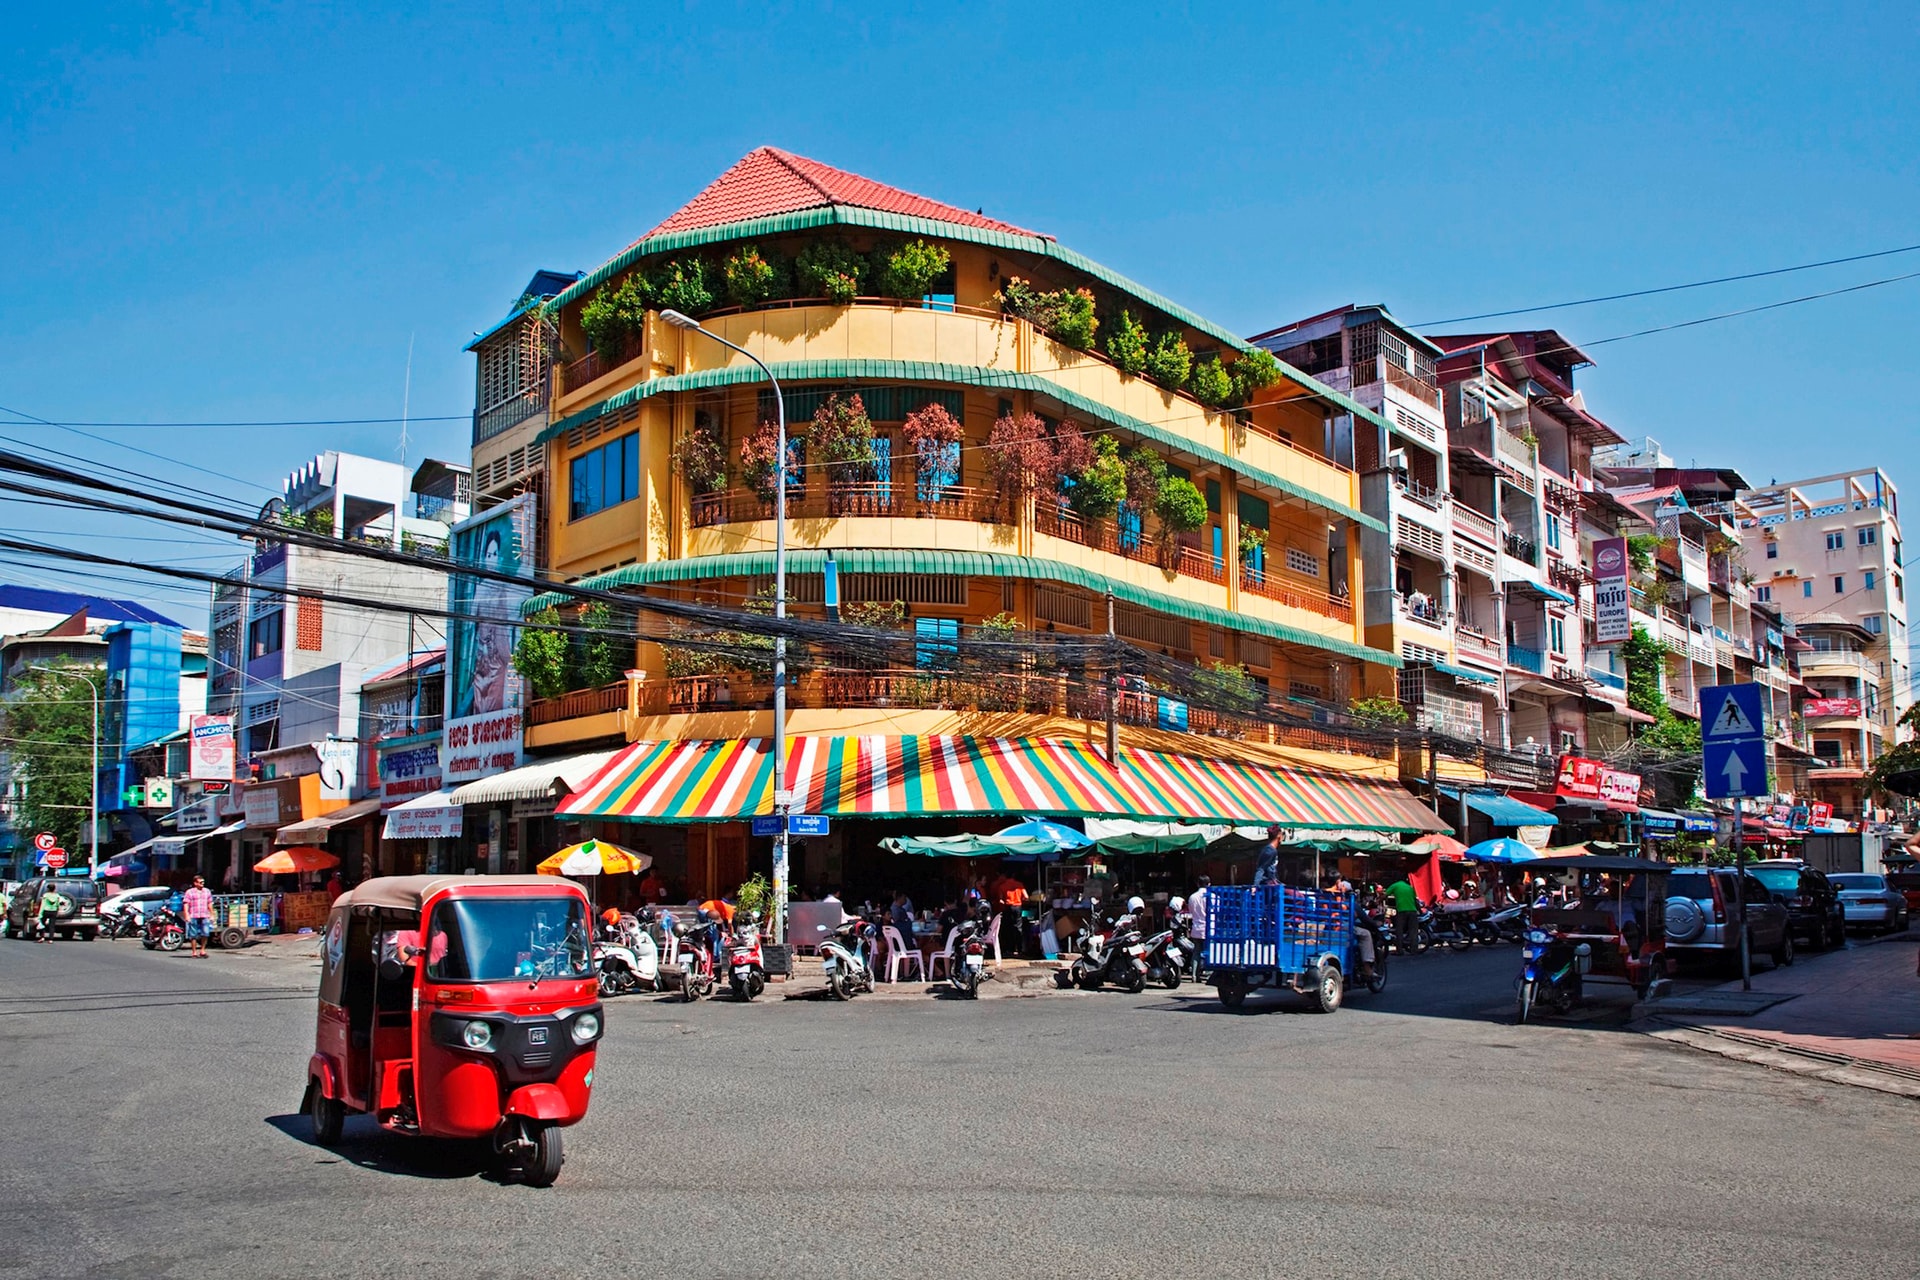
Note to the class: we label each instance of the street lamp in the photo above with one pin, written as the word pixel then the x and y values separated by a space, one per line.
pixel 93 690
pixel 782 801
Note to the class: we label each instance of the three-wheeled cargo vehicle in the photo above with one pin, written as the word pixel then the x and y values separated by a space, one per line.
pixel 1302 939
pixel 458 1007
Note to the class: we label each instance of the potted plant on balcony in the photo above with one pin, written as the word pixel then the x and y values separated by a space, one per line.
pixel 596 657
pixel 1169 363
pixel 700 456
pixel 830 269
pixel 616 314
pixel 1181 508
pixel 1064 314
pixel 1099 485
pixel 753 275
pixel 757 466
pixel 543 655
pixel 840 440
pixel 1210 383
pixel 1020 458
pixel 1253 542
pixel 1253 372
pixel 934 435
pixel 1127 344
pixel 908 271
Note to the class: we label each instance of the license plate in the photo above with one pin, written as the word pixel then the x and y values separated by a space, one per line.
pixel 829 964
pixel 976 962
pixel 741 971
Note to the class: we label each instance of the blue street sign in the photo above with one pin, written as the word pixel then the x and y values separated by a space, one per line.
pixel 1731 711
pixel 767 826
pixel 1734 768
pixel 806 824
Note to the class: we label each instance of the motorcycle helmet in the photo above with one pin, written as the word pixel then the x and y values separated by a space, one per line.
pixel 1136 904
pixel 611 916
pixel 1176 905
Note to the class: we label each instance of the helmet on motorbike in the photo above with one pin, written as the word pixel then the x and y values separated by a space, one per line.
pixel 1136 904
pixel 611 915
pixel 1176 905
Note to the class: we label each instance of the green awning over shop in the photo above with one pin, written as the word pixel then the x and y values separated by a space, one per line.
pixel 972 846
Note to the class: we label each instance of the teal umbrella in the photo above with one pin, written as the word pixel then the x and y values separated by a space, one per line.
pixel 1061 836
pixel 1502 849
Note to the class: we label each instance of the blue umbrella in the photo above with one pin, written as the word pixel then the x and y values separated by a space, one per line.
pixel 1063 837
pixel 1502 849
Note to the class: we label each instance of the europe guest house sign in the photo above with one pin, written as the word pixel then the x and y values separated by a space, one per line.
pixel 1612 602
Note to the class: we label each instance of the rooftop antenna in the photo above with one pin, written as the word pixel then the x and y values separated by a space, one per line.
pixel 406 395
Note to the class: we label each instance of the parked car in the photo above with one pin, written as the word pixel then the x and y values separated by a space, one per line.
pixel 80 918
pixel 138 901
pixel 1701 915
pixel 1813 905
pixel 1870 902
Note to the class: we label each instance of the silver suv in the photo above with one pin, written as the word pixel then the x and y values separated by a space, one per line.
pixel 78 918
pixel 1701 915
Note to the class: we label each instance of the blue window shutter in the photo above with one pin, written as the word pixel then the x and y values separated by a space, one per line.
pixel 1129 524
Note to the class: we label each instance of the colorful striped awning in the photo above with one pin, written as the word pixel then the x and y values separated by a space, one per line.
pixel 1204 790
pixel 952 775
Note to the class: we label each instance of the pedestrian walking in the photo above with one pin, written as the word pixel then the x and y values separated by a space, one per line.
pixel 51 905
pixel 1197 907
pixel 1406 915
pixel 197 904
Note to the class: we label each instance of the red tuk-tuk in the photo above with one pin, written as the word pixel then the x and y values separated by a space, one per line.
pixel 458 1007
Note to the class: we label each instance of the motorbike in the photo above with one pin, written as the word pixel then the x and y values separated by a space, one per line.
pixel 844 958
pixel 1509 924
pixel 696 959
pixel 1449 927
pixel 122 924
pixel 745 964
pixel 968 966
pixel 626 958
pixel 1118 956
pixel 1169 954
pixel 164 931
pixel 1550 976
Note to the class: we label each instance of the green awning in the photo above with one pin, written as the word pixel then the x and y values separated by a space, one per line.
pixel 961 375
pixel 1465 673
pixel 1041 246
pixel 985 564
pixel 972 846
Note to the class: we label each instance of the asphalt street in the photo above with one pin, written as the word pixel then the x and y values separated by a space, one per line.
pixel 148 1129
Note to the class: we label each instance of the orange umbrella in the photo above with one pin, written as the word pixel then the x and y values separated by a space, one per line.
pixel 283 862
pixel 1449 849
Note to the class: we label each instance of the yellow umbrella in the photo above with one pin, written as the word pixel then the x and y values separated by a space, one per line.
pixel 593 858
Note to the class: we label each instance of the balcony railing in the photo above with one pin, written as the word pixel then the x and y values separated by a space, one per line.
pixel 1521 548
pixel 1468 521
pixel 595 364
pixel 508 414
pixel 1477 643
pixel 833 502
pixel 1424 494
pixel 1618 683
pixel 1269 585
pixel 578 704
pixel 1533 660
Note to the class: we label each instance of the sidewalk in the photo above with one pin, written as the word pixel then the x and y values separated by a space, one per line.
pixel 1851 1016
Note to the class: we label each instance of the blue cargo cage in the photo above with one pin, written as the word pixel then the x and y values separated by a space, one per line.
pixel 1271 935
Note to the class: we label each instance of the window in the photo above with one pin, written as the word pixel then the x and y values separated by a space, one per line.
pixel 1872 623
pixel 1553 533
pixel 264 634
pixel 1806 589
pixel 1556 635
pixel 1763 594
pixel 1869 536
pixel 936 643
pixel 1773 550
pixel 604 477
pixel 1867 580
pixel 1213 497
pixel 1128 524
pixel 1836 539
pixel 1839 584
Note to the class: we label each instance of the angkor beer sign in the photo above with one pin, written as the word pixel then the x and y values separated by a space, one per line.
pixel 1612 602
pixel 1586 779
pixel 210 754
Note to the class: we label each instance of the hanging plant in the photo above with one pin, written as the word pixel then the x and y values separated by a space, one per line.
pixel 830 269
pixel 934 435
pixel 1126 343
pixel 758 469
pixel 841 440
pixel 1169 362
pixel 700 456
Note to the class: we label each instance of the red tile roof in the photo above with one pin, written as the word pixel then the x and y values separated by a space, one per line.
pixel 768 181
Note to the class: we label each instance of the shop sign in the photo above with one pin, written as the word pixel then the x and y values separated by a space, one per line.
pixel 1586 779
pixel 539 807
pixel 198 816
pixel 169 846
pixel 339 760
pixel 406 772
pixel 481 746
pixel 210 758
pixel 1820 814
pixel 442 823
pixel 1612 602
pixel 270 805
pixel 159 793
pixel 484 695
pixel 1832 707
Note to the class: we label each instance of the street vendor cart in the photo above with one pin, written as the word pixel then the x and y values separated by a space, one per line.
pixel 1300 939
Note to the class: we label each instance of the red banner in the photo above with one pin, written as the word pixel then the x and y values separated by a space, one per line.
pixel 1832 707
pixel 1586 779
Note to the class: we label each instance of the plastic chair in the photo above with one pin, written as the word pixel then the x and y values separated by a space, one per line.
pixel 902 956
pixel 942 959
pixel 993 935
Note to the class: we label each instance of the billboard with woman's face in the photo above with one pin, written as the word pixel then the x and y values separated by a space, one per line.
pixel 483 693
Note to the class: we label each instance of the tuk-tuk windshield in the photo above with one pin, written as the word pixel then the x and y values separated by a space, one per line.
pixel 497 939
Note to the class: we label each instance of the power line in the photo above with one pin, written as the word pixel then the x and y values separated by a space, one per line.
pixel 1670 288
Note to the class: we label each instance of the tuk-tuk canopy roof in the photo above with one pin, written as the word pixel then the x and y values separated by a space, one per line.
pixel 406 893
pixel 1600 862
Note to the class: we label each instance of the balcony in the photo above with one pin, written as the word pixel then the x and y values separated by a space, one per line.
pixel 1424 494
pixel 833 502
pixel 508 414
pixel 1522 549
pixel 1474 524
pixel 1474 644
pixel 1607 679
pixel 1533 660
pixel 1277 588
pixel 1421 608
pixel 1183 555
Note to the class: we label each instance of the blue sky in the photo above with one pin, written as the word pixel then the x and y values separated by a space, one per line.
pixel 224 215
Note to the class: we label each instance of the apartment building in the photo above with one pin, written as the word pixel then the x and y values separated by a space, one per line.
pixel 513 368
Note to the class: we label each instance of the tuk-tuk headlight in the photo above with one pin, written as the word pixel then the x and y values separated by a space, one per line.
pixel 586 1027
pixel 1539 935
pixel 477 1036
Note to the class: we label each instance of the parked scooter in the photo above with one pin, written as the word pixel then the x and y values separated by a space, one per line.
pixel 626 956
pixel 1549 975
pixel 845 958
pixel 967 967
pixel 1170 952
pixel 1118 956
pixel 745 963
pixel 122 924
pixel 696 957
pixel 1509 924
pixel 164 931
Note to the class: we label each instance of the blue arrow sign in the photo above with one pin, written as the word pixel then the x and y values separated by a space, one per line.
pixel 1734 768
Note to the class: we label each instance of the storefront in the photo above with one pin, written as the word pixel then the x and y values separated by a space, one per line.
pixel 417 819
pixel 510 823
pixel 268 806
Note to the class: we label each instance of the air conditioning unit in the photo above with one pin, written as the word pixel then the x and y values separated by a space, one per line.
pixel 1397 460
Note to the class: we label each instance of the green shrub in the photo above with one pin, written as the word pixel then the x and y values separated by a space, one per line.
pixel 1210 383
pixel 753 276
pixel 1101 486
pixel 1074 322
pixel 880 615
pixel 1252 539
pixel 1252 372
pixel 1127 343
pixel 1146 472
pixel 616 312
pixel 680 284
pixel 1169 362
pixel 543 656
pixel 909 270
pixel 597 657
pixel 1378 711
pixel 830 269
pixel 1180 505
pixel 1227 686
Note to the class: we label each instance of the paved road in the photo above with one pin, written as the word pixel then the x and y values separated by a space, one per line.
pixel 145 1130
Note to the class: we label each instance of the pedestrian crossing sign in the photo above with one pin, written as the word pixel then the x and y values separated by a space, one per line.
pixel 1730 711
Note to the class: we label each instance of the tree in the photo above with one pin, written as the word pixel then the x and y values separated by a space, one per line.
pixel 1674 741
pixel 49 729
pixel 543 656
pixel 1020 456
pixel 597 656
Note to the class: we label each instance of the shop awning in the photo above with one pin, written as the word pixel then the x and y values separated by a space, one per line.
pixel 1466 673
pixel 1180 786
pixel 536 780
pixel 316 830
pixel 974 847
pixel 434 816
pixel 1503 809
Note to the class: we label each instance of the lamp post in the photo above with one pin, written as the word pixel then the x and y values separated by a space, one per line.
pixel 93 691
pixel 782 800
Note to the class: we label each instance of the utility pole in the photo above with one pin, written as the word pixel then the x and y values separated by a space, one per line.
pixel 1113 688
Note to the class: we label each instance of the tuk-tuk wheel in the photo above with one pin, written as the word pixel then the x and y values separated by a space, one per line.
pixel 541 1165
pixel 1328 988
pixel 327 1115
pixel 1233 991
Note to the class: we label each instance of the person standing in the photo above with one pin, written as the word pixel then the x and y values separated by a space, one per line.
pixel 1197 913
pixel 1267 869
pixel 1406 915
pixel 197 906
pixel 51 905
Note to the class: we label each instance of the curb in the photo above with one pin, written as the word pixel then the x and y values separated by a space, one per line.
pixel 1835 1068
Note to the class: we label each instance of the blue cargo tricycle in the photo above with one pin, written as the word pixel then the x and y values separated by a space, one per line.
pixel 1274 936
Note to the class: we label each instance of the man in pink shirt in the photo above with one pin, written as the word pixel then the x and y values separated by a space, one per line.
pixel 197 905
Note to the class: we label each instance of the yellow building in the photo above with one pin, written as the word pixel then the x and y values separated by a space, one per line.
pixel 650 484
